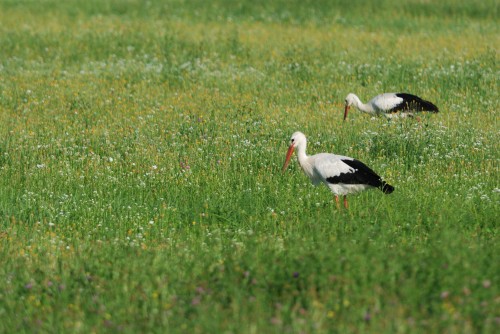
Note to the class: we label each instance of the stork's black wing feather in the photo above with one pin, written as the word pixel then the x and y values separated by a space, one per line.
pixel 362 175
pixel 413 103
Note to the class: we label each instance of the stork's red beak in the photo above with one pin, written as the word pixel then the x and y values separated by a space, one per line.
pixel 288 156
pixel 345 111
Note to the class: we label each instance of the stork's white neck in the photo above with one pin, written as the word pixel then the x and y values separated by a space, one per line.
pixel 367 108
pixel 304 159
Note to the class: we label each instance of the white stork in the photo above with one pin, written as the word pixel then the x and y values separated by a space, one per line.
pixel 388 104
pixel 343 175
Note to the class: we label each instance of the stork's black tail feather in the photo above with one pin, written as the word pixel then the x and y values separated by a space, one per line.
pixel 429 106
pixel 386 188
pixel 413 102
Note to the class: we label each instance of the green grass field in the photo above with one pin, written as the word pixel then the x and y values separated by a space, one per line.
pixel 140 167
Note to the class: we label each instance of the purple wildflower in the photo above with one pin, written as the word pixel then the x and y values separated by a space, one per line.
pixel 196 300
pixel 184 165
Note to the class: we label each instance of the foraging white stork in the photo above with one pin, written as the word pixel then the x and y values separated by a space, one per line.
pixel 343 175
pixel 388 104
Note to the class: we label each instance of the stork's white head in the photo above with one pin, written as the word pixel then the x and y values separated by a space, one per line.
pixel 349 101
pixel 298 141
pixel 298 138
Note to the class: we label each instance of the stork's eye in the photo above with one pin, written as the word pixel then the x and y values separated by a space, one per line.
pixel 293 140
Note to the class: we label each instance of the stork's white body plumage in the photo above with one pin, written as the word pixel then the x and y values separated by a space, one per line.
pixel 390 105
pixel 322 166
pixel 343 175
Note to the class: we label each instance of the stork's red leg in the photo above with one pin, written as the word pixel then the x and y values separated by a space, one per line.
pixel 337 201
pixel 345 202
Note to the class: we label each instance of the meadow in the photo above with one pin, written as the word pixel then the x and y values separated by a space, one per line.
pixel 140 167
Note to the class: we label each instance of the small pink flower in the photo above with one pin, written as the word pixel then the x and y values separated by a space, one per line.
pixel 184 165
pixel 445 294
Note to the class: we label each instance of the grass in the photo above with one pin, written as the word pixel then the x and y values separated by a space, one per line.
pixel 140 182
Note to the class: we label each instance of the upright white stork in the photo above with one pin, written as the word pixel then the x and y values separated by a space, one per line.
pixel 388 104
pixel 343 175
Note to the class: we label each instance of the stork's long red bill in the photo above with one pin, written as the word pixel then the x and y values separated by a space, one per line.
pixel 288 156
pixel 345 112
